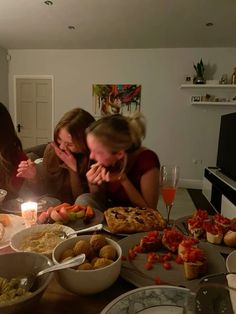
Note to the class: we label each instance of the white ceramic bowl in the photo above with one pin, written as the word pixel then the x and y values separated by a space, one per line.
pixel 85 282
pixel 231 262
pixel 19 237
pixel 19 264
pixel 3 194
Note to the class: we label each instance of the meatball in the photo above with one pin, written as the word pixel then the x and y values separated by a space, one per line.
pixel 108 251
pixel 102 262
pixel 98 241
pixel 67 254
pixel 85 266
pixel 82 246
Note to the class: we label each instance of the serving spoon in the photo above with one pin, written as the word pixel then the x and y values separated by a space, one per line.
pixel 65 235
pixel 27 281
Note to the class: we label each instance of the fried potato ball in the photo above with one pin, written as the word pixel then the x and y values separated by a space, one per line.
pixel 69 253
pixel 97 241
pixel 85 266
pixel 102 262
pixel 108 251
pixel 82 246
pixel 93 261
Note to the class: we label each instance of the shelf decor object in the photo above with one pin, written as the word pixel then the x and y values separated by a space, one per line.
pixel 229 98
pixel 199 68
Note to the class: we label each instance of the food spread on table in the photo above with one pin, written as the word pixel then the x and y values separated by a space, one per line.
pixel 133 219
pixel 170 246
pixel 99 253
pixel 10 290
pixel 216 229
pixel 65 213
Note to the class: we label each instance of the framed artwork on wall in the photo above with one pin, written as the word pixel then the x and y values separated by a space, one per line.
pixel 116 98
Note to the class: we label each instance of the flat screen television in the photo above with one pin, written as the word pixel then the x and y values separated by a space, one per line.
pixel 226 157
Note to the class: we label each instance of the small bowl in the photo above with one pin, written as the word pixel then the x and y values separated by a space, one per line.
pixel 231 262
pixel 19 237
pixel 15 264
pixel 3 194
pixel 86 282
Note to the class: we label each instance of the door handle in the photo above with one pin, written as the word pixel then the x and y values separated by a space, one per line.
pixel 19 127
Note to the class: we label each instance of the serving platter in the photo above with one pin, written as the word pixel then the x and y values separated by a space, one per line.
pixel 16 224
pixel 152 300
pixel 44 202
pixel 134 271
pixel 181 224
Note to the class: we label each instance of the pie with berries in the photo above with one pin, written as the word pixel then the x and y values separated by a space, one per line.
pixel 133 219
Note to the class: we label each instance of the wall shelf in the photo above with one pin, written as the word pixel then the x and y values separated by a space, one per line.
pixel 198 86
pixel 214 103
pixel 229 91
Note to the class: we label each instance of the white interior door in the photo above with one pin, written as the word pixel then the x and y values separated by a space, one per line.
pixel 34 111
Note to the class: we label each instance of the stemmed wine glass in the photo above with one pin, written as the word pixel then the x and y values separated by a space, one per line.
pixel 168 181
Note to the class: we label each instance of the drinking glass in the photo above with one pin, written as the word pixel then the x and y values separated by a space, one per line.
pixel 168 181
pixel 216 294
pixel 29 213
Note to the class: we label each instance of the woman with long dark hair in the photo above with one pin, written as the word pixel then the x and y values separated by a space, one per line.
pixel 11 154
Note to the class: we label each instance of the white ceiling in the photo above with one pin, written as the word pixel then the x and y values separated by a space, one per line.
pixel 117 24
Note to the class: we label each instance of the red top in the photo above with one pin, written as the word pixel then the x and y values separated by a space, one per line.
pixel 145 161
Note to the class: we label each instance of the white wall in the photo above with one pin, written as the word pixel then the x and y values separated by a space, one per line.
pixel 3 77
pixel 177 131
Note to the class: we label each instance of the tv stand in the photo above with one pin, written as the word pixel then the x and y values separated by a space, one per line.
pixel 220 191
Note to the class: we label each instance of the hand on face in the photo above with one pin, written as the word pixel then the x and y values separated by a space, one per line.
pixel 99 173
pixel 26 169
pixel 66 156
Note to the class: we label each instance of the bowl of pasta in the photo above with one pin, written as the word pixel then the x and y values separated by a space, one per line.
pixel 39 238
pixel 14 299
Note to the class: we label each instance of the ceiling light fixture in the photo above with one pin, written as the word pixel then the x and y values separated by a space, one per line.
pixel 48 2
pixel 71 27
pixel 209 24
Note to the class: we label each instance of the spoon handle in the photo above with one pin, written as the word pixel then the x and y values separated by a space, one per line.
pixel 77 260
pixel 92 228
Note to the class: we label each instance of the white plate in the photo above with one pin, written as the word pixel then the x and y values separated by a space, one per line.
pixel 44 202
pixel 152 300
pixel 19 237
pixel 16 224
pixel 231 262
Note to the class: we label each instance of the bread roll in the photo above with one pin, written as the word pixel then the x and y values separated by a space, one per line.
pixel 230 238
pixel 2 231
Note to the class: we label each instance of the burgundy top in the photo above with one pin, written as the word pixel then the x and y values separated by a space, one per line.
pixel 145 161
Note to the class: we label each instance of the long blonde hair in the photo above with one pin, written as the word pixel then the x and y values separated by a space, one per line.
pixel 118 132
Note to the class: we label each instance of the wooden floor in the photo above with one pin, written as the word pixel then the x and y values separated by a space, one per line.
pixel 200 201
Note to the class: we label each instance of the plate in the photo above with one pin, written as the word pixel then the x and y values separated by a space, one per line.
pixel 106 228
pixel 152 300
pixel 231 262
pixel 18 238
pixel 44 202
pixel 181 223
pixel 16 224
pixel 79 223
pixel 134 271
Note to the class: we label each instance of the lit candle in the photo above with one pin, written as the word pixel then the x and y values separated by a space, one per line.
pixel 29 213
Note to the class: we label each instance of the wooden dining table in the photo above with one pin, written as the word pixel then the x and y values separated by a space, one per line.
pixel 57 300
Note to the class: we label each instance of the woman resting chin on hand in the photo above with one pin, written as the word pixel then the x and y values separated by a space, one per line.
pixel 126 173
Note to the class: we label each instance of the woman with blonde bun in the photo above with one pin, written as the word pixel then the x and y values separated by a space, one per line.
pixel 125 173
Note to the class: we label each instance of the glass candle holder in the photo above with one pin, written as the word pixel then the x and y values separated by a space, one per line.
pixel 29 213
